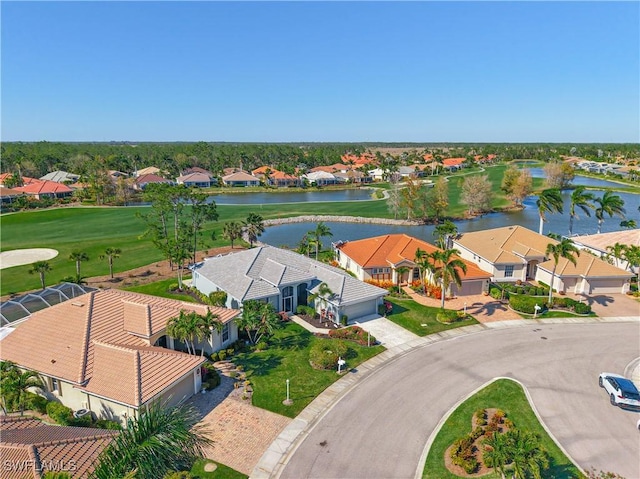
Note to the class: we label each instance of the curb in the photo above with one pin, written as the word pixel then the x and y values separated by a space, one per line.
pixel 277 455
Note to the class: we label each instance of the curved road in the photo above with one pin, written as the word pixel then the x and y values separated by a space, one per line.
pixel 380 428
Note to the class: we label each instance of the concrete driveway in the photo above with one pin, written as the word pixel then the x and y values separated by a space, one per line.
pixel 614 305
pixel 380 427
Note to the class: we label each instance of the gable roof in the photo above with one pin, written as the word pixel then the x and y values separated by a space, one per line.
pixel 41 187
pixel 150 178
pixel 42 447
pixel 319 175
pixel 261 272
pixel 390 250
pixel 195 177
pixel 240 176
pixel 79 334
pixel 197 169
pixel 509 244
pixel 60 176
pixel 148 170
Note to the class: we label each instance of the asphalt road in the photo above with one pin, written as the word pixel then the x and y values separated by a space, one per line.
pixel 380 428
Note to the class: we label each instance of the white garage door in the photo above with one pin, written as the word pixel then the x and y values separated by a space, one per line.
pixel 605 286
pixel 359 310
pixel 468 288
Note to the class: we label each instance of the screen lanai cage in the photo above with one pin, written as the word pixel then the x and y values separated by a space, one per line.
pixel 17 309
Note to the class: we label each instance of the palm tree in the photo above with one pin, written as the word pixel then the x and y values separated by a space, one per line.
pixel 527 456
pixel 323 295
pixel 608 204
pixel 317 234
pixel 424 264
pixel 632 256
pixel 160 440
pixel 628 224
pixel 205 325
pixel 16 383
pixel 78 257
pixel 497 452
pixel 582 200
pixel 444 232
pixel 616 252
pixel 183 328
pixel 564 249
pixel 111 254
pixel 549 201
pixel 253 227
pixel 232 231
pixel 257 320
pixel 399 272
pixel 40 267
pixel 448 267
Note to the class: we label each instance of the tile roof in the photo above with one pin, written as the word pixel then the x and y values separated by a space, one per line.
pixel 601 241
pixel 34 448
pixel 150 178
pixel 319 175
pixel 82 332
pixel 453 161
pixel 9 192
pixel 587 266
pixel 390 250
pixel 43 187
pixel 259 272
pixel 240 176
pixel 331 168
pixel 60 176
pixel 195 177
pixel 148 170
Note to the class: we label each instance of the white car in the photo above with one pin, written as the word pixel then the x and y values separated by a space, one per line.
pixel 622 392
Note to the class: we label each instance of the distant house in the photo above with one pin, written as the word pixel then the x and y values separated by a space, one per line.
pixel 286 280
pixel 515 253
pixel 61 177
pixel 108 351
pixel 149 170
pixel 358 161
pixel 353 176
pixel 275 177
pixel 321 178
pixel 34 448
pixel 8 195
pixel 197 169
pixel 453 163
pixel 381 257
pixel 336 167
pixel 197 180
pixel 141 182
pixel 241 179
pixel 598 243
pixel 40 189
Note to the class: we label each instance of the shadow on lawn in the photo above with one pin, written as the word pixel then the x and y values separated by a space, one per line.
pixel 258 364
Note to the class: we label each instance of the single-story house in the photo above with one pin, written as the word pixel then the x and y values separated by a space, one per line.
pixel 353 176
pixel 45 189
pixel 275 177
pixel 379 258
pixel 34 448
pixel 336 167
pixel 8 195
pixel 197 180
pixel 61 177
pixel 197 169
pixel 107 351
pixel 513 253
pixel 597 244
pixel 141 182
pixel 321 178
pixel 285 279
pixel 149 170
pixel 240 178
pixel 453 163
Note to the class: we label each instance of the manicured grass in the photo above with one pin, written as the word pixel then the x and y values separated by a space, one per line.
pixel 411 316
pixel 161 288
pixel 287 357
pixel 558 314
pixel 506 395
pixel 221 472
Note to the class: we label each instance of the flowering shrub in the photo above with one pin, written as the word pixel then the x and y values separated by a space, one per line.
pixel 354 333
pixel 381 283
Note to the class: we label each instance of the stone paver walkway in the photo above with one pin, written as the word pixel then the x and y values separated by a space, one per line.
pixel 484 308
pixel 240 432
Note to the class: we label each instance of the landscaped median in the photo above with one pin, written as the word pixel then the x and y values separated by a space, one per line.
pixel 505 396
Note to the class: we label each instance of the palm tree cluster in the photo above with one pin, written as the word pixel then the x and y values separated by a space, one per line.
pixel 314 237
pixel 253 227
pixel 15 386
pixel 191 327
pixel 564 249
pixel 518 451
pixel 258 320
pixel 443 266
pixel 629 253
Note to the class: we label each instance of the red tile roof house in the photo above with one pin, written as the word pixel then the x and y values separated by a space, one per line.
pixel 197 180
pixel 104 351
pixel 380 257
pixel 453 163
pixel 276 177
pixel 30 448
pixel 142 181
pixel 45 189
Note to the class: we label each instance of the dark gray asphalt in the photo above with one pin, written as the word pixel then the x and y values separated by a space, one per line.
pixel 380 428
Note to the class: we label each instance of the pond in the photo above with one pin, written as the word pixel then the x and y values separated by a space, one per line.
pixel 289 235
pixel 297 196
pixel 579 180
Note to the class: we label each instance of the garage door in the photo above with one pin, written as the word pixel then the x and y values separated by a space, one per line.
pixel 468 288
pixel 605 286
pixel 359 310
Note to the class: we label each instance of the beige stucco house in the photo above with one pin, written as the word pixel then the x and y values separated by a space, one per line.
pixel 107 351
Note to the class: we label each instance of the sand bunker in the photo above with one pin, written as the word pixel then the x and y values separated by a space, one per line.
pixel 18 257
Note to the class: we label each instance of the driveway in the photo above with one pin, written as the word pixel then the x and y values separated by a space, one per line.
pixel 379 428
pixel 613 305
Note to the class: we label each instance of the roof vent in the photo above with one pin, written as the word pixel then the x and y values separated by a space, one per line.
pixel 79 305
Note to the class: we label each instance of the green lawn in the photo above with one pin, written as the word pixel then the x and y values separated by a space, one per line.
pixel 161 288
pixel 288 358
pixel 411 316
pixel 508 396
pixel 221 472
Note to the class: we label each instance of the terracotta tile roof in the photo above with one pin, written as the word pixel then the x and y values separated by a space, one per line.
pixel 364 159
pixel 390 250
pixel 11 423
pixel 40 448
pixel 331 168
pixel 453 161
pixel 9 192
pixel 72 329
pixel 150 178
pixel 44 187
pixel 148 170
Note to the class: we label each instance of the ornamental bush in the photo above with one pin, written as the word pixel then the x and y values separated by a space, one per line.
pixel 60 413
pixel 324 353
pixel 353 333
pixel 582 308
pixel 526 304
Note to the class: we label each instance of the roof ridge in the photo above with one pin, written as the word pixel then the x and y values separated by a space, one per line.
pixel 138 372
pixel 87 338
pixel 72 440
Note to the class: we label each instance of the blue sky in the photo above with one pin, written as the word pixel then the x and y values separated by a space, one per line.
pixel 326 71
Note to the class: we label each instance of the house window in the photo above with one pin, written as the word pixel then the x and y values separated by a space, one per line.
pixel 225 333
pixel 508 271
pixel 55 386
pixel 287 299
